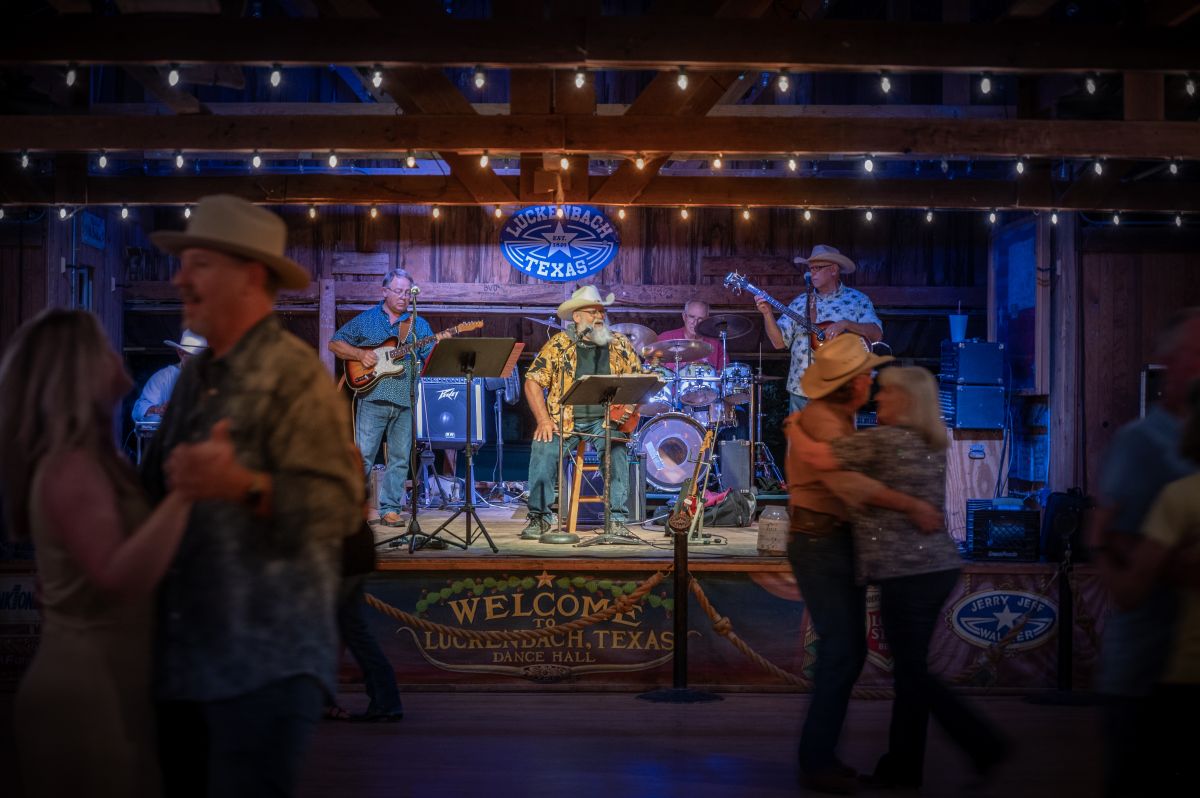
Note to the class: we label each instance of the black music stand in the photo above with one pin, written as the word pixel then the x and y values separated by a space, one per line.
pixel 609 390
pixel 469 357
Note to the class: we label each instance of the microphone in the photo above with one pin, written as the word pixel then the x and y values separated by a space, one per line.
pixel 808 279
pixel 416 289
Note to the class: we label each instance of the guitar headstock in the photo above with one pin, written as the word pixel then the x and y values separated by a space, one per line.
pixel 467 326
pixel 735 282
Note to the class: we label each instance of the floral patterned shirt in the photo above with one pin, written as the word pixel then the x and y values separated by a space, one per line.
pixel 555 366
pixel 843 304
pixel 886 544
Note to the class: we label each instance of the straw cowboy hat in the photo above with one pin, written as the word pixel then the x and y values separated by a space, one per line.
pixel 189 343
pixel 836 363
pixel 825 254
pixel 586 297
pixel 232 225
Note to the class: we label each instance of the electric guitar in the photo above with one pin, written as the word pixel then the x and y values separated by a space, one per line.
pixel 816 330
pixel 624 418
pixel 690 499
pixel 389 360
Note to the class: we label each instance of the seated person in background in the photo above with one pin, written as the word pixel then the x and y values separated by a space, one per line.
pixel 153 402
pixel 694 312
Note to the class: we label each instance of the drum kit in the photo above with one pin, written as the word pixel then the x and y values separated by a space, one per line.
pixel 694 395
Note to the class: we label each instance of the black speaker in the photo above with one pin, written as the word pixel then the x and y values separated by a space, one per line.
pixel 592 484
pixel 442 412
pixel 735 464
pixel 1063 524
pixel 972 406
pixel 1002 534
pixel 972 362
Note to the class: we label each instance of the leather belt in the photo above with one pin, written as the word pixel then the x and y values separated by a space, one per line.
pixel 803 521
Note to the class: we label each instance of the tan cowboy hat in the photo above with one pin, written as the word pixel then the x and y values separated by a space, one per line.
pixel 586 297
pixel 233 225
pixel 836 363
pixel 822 253
pixel 189 343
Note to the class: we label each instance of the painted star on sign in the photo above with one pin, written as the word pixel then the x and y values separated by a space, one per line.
pixel 544 579
pixel 1006 618
pixel 559 240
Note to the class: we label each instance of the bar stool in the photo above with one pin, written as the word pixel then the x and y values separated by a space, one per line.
pixel 578 468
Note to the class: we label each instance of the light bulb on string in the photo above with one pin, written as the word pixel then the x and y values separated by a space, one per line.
pixel 807 215
pixel 410 160
pixel 683 213
pixel 1089 83
pixel 102 161
pixel 992 217
pixel 62 213
pixel 885 83
pixel 483 160
pixel 1173 167
pixel 985 84
pixel 312 211
pixel 1 212
pixel 620 213
pixel 746 214
pixel 1054 217
pixel 640 161
pixel 782 83
pixel 436 213
pixel 791 164
pixel 178 159
pixel 124 211
pixel 1020 166
pixel 24 159
pixel 377 76
pixel 929 216
pixel 1098 167
pixel 256 160
pixel 560 212
pixel 333 160
pixel 681 79
pixel 1179 220
pixel 1190 86
pixel 869 164
pixel 498 212
pixel 944 166
pixel 173 76
pixel 869 215
pixel 374 212
pixel 564 163
pixel 480 78
pixel 717 162
pixel 276 76
pixel 1116 218
pixel 71 75
pixel 187 212
pixel 580 78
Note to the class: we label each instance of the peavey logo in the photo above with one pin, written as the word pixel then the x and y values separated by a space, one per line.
pixel 537 242
pixel 1021 620
pixel 448 393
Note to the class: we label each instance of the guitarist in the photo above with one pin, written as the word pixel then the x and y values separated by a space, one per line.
pixel 848 309
pixel 386 410
pixel 586 346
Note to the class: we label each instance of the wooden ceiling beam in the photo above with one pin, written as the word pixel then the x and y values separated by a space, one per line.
pixel 603 43
pixel 620 135
pixel 1032 194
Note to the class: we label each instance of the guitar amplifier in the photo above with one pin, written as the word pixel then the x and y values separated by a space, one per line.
pixel 972 363
pixel 735 464
pixel 998 531
pixel 442 412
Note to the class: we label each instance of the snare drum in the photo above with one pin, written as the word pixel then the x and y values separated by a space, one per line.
pixel 664 400
pixel 699 384
pixel 736 380
pixel 669 445
pixel 718 414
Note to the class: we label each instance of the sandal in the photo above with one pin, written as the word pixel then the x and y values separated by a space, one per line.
pixel 335 712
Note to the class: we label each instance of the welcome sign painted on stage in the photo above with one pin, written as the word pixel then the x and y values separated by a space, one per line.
pixel 540 243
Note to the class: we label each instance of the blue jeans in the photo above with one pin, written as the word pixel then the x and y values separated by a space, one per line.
pixel 375 419
pixel 543 470
pixel 796 402
pixel 824 570
pixel 378 677
pixel 909 609
pixel 251 745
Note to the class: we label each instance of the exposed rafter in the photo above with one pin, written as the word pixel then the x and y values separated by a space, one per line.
pixel 603 43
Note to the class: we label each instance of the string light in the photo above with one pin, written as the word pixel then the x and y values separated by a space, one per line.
pixel 276 76
pixel 483 160
pixel 1178 220
pixel 377 76
pixel 869 164
pixel 1054 217
pixel 1089 83
pixel 256 160
pixel 717 162
pixel 178 159
pixel 374 212
pixel 24 159
pixel 1116 218
pixel 944 166
pixel 124 211
pixel 62 213
pixel 681 79
pixel 985 84
pixel 620 213
pixel 929 217
pixel 683 213
pixel 782 83
pixel 564 163
pixel 480 77
pixel 1020 166
pixel 410 160
pixel 885 83
pixel 560 212
pixel 436 213
pixel 791 164
pixel 187 212
pixel 71 75
pixel 1173 167
pixel 807 215
pixel 870 215
pixel 746 214
pixel 102 161
pixel 1098 167
pixel 312 211
pixel 992 217
pixel 1 212
pixel 1190 86
pixel 173 76
pixel 580 78
pixel 640 161
pixel 498 212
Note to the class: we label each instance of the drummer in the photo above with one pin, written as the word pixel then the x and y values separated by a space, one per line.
pixel 695 312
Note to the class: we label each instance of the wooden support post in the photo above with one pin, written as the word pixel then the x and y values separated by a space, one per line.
pixel 1066 440
pixel 326 322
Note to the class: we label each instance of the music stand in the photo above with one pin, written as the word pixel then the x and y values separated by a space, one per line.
pixel 608 390
pixel 469 357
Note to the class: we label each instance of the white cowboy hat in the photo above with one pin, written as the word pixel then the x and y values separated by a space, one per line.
pixel 586 297
pixel 233 225
pixel 836 363
pixel 189 343
pixel 822 253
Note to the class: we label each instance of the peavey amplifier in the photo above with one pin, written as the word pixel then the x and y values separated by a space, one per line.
pixel 442 412
pixel 1000 530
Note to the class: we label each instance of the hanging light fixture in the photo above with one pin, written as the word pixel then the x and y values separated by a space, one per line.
pixel 681 79
pixel 480 78
pixel 276 76
pixel 377 76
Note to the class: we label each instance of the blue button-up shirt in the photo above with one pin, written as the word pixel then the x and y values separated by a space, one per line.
pixel 371 328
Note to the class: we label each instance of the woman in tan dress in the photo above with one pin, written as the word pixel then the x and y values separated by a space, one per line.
pixel 83 713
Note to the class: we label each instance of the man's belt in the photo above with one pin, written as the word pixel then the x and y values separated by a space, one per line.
pixel 814 524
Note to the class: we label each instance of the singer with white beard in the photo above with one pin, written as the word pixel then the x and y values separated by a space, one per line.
pixel 386 410
pixel 586 346
pixel 826 300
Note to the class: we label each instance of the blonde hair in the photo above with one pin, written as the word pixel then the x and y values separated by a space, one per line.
pixel 923 415
pixel 54 395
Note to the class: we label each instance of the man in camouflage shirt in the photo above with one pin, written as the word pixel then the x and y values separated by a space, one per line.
pixel 587 346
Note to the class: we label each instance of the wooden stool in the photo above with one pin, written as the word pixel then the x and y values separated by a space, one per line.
pixel 573 502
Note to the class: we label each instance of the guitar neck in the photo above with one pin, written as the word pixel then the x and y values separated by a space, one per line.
pixel 404 349
pixel 782 308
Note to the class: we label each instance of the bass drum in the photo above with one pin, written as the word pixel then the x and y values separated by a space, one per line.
pixel 669 445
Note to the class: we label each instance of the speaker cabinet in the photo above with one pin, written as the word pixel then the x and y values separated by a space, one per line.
pixel 442 412
pixel 735 464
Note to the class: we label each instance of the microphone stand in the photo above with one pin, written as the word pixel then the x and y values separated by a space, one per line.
pixel 559 536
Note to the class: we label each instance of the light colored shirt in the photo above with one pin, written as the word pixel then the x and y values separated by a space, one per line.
pixel 1174 521
pixel 843 304
pixel 156 393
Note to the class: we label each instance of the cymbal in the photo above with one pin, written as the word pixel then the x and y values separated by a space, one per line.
pixel 548 322
pixel 734 326
pixel 638 334
pixel 670 348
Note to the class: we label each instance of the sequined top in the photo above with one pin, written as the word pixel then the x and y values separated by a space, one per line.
pixel 886 544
